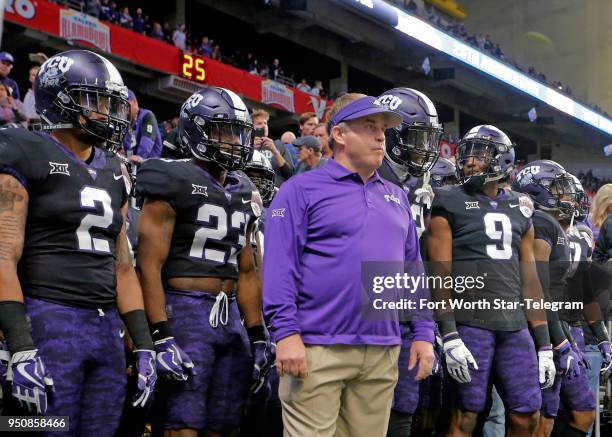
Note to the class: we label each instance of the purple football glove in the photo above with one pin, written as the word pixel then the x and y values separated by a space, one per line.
pixel 147 376
pixel 262 361
pixel 569 361
pixel 606 354
pixel 584 363
pixel 30 381
pixel 5 359
pixel 172 362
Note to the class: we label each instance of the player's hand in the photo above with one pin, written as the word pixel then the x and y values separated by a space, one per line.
pixel 424 195
pixel 5 359
pixel 263 358
pixel 568 359
pixel 584 363
pixel 605 347
pixel 291 357
pixel 147 376
pixel 422 352
pixel 30 381
pixel 546 368
pixel 136 159
pixel 172 362
pixel 458 358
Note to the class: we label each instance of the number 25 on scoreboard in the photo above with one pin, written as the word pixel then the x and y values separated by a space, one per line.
pixel 192 67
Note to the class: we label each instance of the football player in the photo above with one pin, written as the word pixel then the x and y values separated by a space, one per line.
pixel 411 149
pixel 197 269
pixel 66 276
pixel 479 227
pixel 443 173
pixel 553 191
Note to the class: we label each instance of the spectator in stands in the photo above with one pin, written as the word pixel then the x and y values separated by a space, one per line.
pixel 6 65
pixel 179 37
pixel 216 54
pixel 143 139
pixel 139 22
pixel 125 19
pixel 309 153
pixel 157 32
pixel 276 69
pixel 206 48
pixel 308 122
pixel 29 104
pixel 288 138
pixel 317 89
pixel 277 154
pixel 320 131
pixel 148 25
pixel 105 11
pixel 11 109
pixel 303 86
pixel 94 8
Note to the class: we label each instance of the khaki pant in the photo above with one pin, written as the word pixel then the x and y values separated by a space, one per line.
pixel 348 392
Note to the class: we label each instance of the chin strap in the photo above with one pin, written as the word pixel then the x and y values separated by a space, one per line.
pixel 425 194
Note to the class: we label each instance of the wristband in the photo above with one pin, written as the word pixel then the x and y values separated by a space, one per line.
pixel 160 330
pixel 447 326
pixel 557 336
pixel 14 324
pixel 256 333
pixel 138 327
pixel 599 331
pixel 541 337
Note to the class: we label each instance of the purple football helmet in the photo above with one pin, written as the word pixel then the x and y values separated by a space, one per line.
pixel 489 145
pixel 549 185
pixel 215 125
pixel 81 89
pixel 415 144
pixel 443 173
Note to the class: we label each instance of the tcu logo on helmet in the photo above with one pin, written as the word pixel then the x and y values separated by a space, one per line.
pixel 526 175
pixel 193 101
pixel 392 102
pixel 53 69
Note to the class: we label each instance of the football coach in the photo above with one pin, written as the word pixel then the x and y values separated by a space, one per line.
pixel 338 371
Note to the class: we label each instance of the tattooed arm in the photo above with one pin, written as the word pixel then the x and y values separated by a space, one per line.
pixel 13 214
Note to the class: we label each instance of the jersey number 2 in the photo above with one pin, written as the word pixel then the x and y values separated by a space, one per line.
pixel 89 197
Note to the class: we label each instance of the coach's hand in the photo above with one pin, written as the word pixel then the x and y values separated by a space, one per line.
pixel 291 357
pixel 422 352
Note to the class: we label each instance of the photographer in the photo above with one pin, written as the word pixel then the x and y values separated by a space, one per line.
pixel 277 153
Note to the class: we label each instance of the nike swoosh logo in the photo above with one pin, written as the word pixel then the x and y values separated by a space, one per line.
pixel 245 201
pixel 513 206
pixel 118 177
pixel 21 369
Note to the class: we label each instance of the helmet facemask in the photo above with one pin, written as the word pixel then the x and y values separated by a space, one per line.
pixel 414 147
pixel 228 143
pixel 563 196
pixel 477 162
pixel 103 115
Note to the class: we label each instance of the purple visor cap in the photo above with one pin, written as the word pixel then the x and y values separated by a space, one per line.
pixel 363 107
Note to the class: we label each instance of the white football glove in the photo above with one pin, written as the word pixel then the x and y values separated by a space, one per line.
pixel 546 367
pixel 458 357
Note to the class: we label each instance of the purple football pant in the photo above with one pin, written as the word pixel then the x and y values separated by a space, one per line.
pixel 84 353
pixel 406 394
pixel 505 358
pixel 576 394
pixel 572 394
pixel 215 398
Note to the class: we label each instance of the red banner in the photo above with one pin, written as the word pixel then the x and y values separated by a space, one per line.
pixel 156 55
pixel 447 150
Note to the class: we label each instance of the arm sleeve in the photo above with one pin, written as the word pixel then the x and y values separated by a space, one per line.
pixel 148 135
pixel 15 161
pixel 286 230
pixel 440 204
